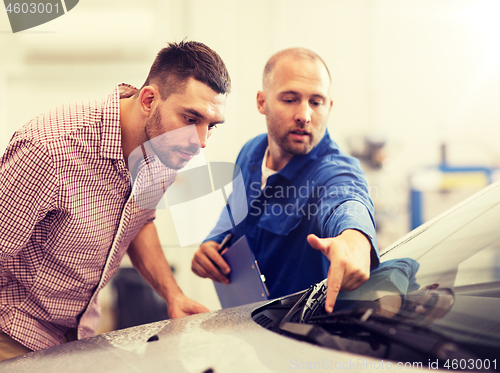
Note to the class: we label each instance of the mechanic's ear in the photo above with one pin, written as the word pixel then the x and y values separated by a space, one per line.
pixel 146 99
pixel 261 101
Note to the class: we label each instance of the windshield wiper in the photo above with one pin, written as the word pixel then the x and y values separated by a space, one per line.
pixel 332 328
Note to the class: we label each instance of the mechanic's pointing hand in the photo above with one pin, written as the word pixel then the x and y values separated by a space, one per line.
pixel 349 255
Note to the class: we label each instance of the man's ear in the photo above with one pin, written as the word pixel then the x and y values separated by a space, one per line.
pixel 261 102
pixel 147 96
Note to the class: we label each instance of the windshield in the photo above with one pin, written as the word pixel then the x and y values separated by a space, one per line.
pixel 442 280
pixel 458 256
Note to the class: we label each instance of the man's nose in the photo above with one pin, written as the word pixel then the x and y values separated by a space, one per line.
pixel 201 136
pixel 303 113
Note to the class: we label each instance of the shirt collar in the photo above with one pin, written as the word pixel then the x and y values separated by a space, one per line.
pixel 298 162
pixel 111 140
pixel 266 172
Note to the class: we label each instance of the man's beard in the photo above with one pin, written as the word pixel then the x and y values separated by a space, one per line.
pixel 163 144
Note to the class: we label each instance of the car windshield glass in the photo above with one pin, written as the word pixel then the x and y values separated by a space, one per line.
pixel 456 287
pixel 443 278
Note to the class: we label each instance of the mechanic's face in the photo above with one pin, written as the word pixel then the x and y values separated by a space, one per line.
pixel 181 125
pixel 296 105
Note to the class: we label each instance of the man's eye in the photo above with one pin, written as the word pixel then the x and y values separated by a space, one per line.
pixel 212 126
pixel 317 103
pixel 288 100
pixel 190 120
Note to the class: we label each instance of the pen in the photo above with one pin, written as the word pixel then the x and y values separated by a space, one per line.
pixel 225 242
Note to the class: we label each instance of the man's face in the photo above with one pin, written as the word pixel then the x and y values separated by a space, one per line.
pixel 296 105
pixel 181 125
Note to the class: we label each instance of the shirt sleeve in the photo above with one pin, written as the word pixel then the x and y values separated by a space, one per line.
pixel 345 204
pixel 353 215
pixel 28 185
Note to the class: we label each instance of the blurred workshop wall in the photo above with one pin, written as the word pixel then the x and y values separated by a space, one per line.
pixel 434 80
pixel 408 74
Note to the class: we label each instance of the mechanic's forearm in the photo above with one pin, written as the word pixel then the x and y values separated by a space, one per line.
pixel 148 258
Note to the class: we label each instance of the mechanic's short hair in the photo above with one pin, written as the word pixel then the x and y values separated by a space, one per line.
pixel 177 62
pixel 295 53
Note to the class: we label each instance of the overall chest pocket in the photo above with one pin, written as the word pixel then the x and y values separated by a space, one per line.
pixel 281 224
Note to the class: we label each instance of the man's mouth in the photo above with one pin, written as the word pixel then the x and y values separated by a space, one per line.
pixel 299 135
pixel 187 155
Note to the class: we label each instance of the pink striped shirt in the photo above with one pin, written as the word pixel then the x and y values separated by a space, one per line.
pixel 68 213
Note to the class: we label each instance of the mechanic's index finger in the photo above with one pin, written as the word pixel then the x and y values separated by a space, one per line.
pixel 334 283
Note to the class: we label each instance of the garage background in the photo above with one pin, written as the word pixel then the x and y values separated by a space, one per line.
pixel 416 87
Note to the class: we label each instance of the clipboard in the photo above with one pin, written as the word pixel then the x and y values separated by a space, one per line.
pixel 246 283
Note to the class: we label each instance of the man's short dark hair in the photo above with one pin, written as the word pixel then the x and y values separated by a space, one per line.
pixel 177 62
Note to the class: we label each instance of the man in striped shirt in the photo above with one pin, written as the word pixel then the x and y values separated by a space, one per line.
pixel 78 189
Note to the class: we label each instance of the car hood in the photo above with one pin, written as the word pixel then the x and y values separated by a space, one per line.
pixel 220 341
